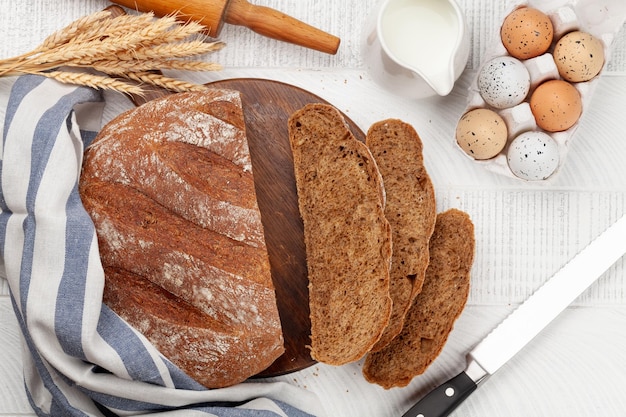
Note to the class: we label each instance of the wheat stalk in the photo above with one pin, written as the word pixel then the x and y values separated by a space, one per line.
pixel 124 67
pixel 162 81
pixel 131 47
pixel 115 27
pixel 176 50
pixel 71 31
pixel 94 81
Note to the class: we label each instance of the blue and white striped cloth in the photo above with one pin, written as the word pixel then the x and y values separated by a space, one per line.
pixel 80 358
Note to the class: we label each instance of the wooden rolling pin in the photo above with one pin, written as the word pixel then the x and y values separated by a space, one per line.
pixel 263 20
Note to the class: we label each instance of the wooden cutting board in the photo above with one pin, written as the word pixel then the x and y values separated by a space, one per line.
pixel 266 106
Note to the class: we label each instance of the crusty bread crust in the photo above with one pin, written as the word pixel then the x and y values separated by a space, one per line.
pixel 170 189
pixel 410 209
pixel 433 313
pixel 347 238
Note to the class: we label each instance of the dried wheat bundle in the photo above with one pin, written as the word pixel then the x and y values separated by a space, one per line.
pixel 118 52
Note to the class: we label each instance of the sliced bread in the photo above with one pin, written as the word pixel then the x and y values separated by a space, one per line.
pixel 434 311
pixel 346 235
pixel 410 209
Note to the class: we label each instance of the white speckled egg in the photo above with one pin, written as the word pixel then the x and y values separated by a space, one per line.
pixel 533 156
pixel 503 82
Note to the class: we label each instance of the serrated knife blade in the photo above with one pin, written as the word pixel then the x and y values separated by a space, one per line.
pixel 524 323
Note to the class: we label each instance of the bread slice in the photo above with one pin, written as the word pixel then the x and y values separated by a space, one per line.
pixel 346 235
pixel 410 209
pixel 432 315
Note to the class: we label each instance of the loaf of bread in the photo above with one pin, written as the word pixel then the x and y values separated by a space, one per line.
pixel 346 235
pixel 410 209
pixel 433 313
pixel 170 188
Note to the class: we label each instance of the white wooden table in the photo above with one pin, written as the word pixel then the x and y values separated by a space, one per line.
pixel 525 231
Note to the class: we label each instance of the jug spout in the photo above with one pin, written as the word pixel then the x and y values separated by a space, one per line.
pixel 441 85
pixel 443 90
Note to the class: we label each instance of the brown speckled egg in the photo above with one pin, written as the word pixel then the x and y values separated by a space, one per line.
pixel 556 105
pixel 526 33
pixel 481 133
pixel 579 56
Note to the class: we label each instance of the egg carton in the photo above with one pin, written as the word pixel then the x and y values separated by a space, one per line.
pixel 601 18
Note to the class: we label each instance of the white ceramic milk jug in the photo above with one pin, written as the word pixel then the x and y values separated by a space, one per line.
pixel 416 48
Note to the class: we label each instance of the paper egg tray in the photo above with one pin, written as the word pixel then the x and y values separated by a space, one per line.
pixel 602 19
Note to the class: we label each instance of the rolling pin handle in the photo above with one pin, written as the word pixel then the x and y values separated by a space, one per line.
pixel 277 25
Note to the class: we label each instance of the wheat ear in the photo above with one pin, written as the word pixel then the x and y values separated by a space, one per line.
pixel 94 81
pixel 159 80
pixel 127 46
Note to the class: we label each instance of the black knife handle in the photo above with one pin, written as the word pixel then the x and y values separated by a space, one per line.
pixel 444 399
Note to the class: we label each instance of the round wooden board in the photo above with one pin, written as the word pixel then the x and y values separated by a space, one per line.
pixel 266 106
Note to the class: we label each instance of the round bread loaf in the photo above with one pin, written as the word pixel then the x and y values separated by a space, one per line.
pixel 170 189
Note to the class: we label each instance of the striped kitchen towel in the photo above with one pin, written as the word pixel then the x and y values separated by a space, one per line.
pixel 80 358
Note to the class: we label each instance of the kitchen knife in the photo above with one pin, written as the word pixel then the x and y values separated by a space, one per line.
pixel 523 324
